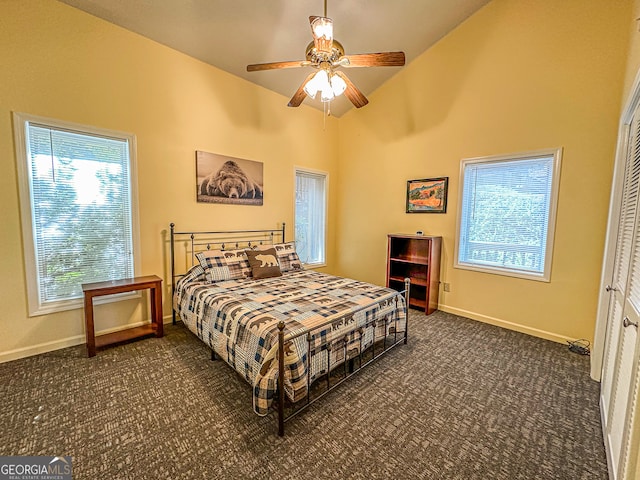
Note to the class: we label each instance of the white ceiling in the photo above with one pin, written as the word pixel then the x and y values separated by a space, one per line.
pixel 230 34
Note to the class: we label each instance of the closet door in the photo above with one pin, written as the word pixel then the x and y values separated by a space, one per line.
pixel 619 387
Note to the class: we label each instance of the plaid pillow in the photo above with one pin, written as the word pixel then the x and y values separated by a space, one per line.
pixel 288 257
pixel 211 258
pixel 218 274
pixel 222 265
pixel 195 274
pixel 238 263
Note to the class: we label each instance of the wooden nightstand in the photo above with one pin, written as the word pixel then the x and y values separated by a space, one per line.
pixel 151 282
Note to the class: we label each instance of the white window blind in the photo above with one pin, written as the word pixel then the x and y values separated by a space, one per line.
pixel 507 214
pixel 310 216
pixel 81 215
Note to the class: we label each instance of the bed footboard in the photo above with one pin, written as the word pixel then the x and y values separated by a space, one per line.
pixel 391 339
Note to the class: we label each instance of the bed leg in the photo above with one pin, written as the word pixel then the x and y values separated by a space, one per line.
pixel 213 355
pixel 407 287
pixel 281 378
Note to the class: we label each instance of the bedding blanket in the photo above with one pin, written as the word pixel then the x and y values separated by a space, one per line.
pixel 238 319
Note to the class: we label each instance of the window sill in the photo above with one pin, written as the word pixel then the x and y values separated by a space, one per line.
pixel 313 265
pixel 507 272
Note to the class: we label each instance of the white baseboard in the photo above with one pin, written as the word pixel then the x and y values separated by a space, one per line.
pixel 64 343
pixel 535 332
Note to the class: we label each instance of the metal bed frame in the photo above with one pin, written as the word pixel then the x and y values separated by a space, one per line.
pixel 196 241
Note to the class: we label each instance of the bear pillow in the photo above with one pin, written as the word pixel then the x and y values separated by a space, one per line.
pixel 264 263
pixel 287 257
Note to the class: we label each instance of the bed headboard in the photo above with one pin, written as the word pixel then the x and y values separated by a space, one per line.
pixel 185 245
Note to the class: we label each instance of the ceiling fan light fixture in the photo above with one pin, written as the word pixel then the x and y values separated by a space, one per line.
pixel 326 95
pixel 318 83
pixel 322 29
pixel 329 87
pixel 311 91
pixel 338 85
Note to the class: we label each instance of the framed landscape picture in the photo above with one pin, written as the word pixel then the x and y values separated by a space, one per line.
pixel 229 180
pixel 428 195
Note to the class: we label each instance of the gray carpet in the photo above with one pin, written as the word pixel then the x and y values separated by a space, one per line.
pixel 464 400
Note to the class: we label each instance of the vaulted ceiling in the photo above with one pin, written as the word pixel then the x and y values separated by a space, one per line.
pixel 230 34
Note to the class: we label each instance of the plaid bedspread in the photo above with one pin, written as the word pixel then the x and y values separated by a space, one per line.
pixel 238 319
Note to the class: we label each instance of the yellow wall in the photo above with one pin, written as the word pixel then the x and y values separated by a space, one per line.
pixel 517 76
pixel 61 63
pixel 633 58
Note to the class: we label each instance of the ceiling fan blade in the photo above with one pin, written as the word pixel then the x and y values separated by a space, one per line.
pixel 384 59
pixel 352 92
pixel 274 65
pixel 322 31
pixel 298 97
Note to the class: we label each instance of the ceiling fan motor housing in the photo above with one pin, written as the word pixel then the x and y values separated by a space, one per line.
pixel 316 57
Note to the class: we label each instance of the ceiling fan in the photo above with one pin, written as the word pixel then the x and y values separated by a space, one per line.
pixel 326 55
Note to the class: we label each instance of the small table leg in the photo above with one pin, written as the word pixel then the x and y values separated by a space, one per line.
pixel 156 308
pixel 88 320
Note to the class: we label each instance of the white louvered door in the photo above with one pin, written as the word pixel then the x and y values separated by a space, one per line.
pixel 620 379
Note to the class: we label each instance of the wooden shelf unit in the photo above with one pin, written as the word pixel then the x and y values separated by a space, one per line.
pixel 416 257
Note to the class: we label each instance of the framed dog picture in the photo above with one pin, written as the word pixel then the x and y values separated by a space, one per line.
pixel 222 179
pixel 428 195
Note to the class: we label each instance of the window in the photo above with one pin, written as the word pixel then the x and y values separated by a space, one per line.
pixel 507 214
pixel 78 201
pixel 311 216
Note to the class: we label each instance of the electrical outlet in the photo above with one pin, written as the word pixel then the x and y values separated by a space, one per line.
pixel 446 287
